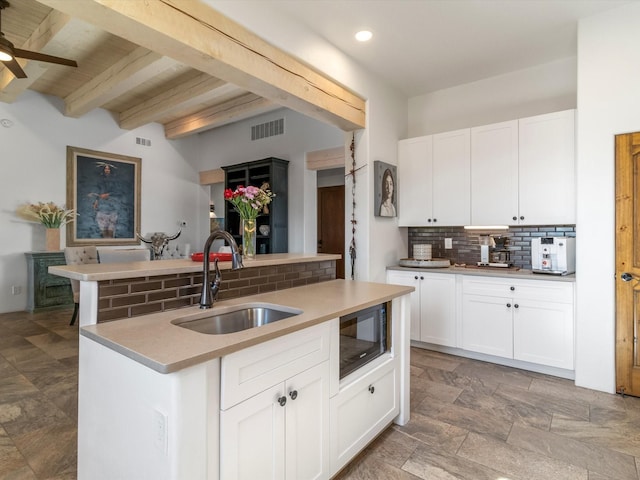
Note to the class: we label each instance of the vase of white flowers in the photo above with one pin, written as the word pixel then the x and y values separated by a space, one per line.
pixel 51 216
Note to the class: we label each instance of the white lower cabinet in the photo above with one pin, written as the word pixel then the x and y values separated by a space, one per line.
pixel 282 431
pixel 528 320
pixel 361 411
pixel 433 305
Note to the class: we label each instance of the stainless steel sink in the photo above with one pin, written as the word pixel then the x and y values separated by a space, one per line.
pixel 238 318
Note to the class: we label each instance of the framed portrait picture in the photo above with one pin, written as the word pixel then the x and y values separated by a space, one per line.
pixel 104 190
pixel 385 189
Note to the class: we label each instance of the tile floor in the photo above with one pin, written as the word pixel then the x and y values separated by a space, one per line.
pixel 470 420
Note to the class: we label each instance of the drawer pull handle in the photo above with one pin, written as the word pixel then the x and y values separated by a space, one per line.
pixel 282 401
pixel 372 389
pixel 293 394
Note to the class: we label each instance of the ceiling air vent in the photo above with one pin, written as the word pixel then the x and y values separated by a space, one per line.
pixel 269 129
pixel 143 141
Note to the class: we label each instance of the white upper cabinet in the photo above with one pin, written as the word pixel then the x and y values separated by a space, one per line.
pixel 494 174
pixel 415 165
pixel 434 180
pixel 520 172
pixel 452 178
pixel 547 191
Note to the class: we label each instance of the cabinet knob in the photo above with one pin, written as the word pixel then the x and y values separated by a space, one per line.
pixel 435 220
pixel 416 277
pixel 521 217
pixel 421 278
pixel 428 220
pixel 515 218
pixel 508 305
pixel 282 401
pixel 293 394
pixel 371 389
pixel 516 306
pixel 512 288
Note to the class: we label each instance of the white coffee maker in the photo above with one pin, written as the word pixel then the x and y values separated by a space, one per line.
pixel 553 255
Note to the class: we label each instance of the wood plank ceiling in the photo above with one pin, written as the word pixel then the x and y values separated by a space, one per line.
pixel 175 62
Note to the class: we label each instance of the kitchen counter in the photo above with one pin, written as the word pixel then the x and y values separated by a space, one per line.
pixel 155 342
pixel 490 272
pixel 115 271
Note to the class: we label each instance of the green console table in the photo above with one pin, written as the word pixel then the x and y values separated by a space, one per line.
pixel 45 291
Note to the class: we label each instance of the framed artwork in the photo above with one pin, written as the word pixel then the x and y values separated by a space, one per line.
pixel 385 189
pixel 104 190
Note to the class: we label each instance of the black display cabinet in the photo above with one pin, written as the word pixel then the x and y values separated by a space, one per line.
pixel 275 172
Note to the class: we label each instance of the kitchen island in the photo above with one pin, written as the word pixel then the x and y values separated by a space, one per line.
pixel 159 401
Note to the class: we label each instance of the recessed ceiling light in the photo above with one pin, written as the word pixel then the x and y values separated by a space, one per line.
pixel 364 36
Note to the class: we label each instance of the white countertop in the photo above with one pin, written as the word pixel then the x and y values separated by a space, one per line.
pixel 490 272
pixel 157 343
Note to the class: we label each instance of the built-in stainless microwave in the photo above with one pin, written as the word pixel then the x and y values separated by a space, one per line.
pixel 364 335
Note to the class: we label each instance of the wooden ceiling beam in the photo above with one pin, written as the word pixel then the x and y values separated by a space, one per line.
pixel 199 90
pixel 239 108
pixel 200 37
pixel 52 27
pixel 126 74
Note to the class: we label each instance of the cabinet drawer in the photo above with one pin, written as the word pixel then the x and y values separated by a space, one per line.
pixel 543 290
pixel 254 369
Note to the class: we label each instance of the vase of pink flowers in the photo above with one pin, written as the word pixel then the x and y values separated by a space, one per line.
pixel 249 202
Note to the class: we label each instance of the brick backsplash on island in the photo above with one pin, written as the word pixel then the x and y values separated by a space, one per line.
pixel 131 297
pixel 466 247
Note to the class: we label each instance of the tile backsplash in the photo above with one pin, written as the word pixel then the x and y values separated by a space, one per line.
pixel 466 246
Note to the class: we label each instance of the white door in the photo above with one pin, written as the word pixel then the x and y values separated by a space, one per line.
pixel 252 443
pixel 494 174
pixel 452 178
pixel 307 424
pixel 410 279
pixel 414 182
pixel 438 309
pixel 487 325
pixel 547 169
pixel 543 333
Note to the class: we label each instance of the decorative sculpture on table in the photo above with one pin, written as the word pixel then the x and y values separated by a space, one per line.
pixel 158 242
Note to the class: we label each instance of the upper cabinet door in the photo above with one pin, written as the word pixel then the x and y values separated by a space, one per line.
pixel 494 174
pixel 414 181
pixel 547 169
pixel 452 178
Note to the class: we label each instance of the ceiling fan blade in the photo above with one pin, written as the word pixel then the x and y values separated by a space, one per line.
pixel 15 68
pixel 43 57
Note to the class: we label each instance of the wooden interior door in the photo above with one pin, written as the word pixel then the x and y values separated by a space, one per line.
pixel 331 223
pixel 627 263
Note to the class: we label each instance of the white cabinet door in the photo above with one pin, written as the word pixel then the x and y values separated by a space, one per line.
pixel 252 438
pixel 410 279
pixel 307 424
pixel 361 411
pixel 415 175
pixel 487 325
pixel 494 174
pixel 452 178
pixel 543 333
pixel 438 309
pixel 547 169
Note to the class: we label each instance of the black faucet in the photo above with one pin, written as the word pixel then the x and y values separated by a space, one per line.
pixel 210 289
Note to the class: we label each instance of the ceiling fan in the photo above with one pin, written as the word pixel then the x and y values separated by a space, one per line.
pixel 9 53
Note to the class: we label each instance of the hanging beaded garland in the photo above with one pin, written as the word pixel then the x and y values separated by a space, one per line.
pixel 352 172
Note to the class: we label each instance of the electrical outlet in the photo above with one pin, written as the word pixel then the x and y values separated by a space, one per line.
pixel 160 431
pixel 16 290
pixel 448 243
